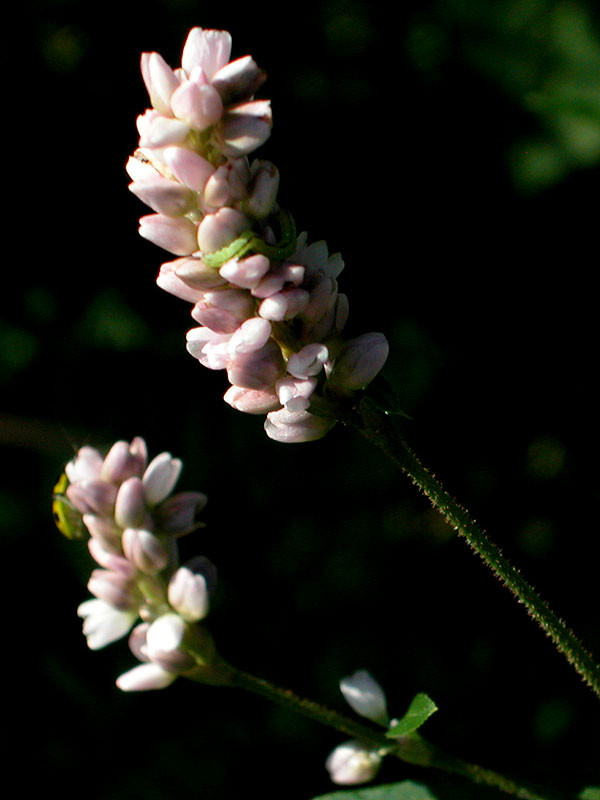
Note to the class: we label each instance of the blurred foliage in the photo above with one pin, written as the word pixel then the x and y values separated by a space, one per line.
pixel 392 138
pixel 544 54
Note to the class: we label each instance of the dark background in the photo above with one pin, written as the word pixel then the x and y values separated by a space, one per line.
pixel 451 151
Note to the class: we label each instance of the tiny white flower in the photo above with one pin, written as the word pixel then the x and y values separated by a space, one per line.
pixel 352 762
pixel 160 477
pixel 103 624
pixel 145 677
pixel 365 696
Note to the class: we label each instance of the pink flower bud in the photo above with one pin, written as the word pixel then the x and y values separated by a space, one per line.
pixel 169 279
pixel 224 310
pixel 295 393
pixel 157 130
pixel 93 497
pixel 160 81
pixel 164 640
pixel 195 274
pixel 251 401
pixel 210 348
pixel 188 167
pixel 177 514
pixel 198 106
pixel 308 361
pixel 130 507
pixel 247 272
pixel 165 196
pixel 86 466
pixel 104 531
pixel 114 588
pixel 263 190
pixel 207 49
pixel 160 478
pixel 110 560
pixel 220 229
pixel 284 305
pixel 145 550
pixel 246 127
pixel 296 426
pixel 358 362
pixel 124 461
pixel 177 235
pixel 253 334
pixel 258 369
pixel 238 80
pixel 188 594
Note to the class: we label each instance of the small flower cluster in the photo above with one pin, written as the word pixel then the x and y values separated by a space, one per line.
pixel 354 761
pixel 266 301
pixel 126 507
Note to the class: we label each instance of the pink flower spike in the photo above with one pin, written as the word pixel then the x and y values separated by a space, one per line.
pixel 224 310
pixel 160 478
pixel 207 49
pixel 290 427
pixel 178 236
pixel 145 677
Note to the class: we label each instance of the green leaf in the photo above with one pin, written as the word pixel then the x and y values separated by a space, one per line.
pixel 406 790
pixel 421 708
pixel 591 793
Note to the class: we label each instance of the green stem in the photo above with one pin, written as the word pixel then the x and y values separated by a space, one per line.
pixel 411 749
pixel 379 429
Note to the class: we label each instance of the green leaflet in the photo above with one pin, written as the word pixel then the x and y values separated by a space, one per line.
pixel 420 709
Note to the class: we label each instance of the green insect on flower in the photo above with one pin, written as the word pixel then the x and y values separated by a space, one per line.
pixel 67 519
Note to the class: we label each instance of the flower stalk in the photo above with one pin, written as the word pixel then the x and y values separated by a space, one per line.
pixel 379 428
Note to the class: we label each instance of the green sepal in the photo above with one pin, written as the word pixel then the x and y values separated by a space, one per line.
pixel 419 711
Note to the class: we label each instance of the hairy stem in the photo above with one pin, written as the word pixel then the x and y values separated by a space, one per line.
pixel 411 749
pixel 379 429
